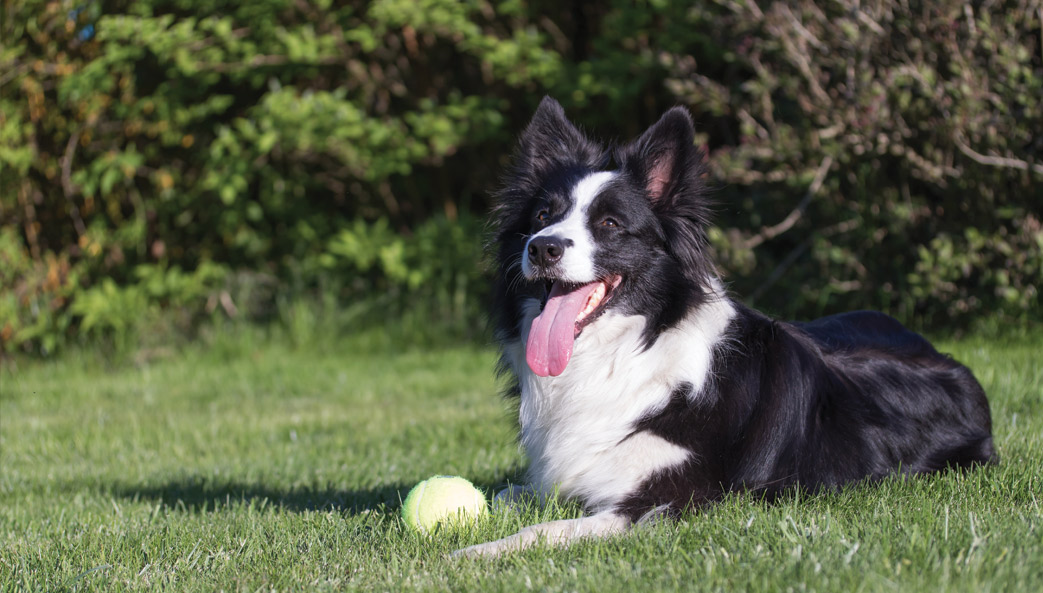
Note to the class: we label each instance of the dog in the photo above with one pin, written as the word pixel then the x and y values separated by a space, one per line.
pixel 646 390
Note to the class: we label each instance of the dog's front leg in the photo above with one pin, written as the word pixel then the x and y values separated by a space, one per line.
pixel 557 533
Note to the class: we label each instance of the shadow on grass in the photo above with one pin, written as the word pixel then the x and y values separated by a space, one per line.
pixel 199 494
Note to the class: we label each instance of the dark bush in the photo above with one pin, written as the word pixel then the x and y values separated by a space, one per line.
pixel 877 154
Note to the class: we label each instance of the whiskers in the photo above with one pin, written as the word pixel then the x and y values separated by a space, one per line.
pixel 512 270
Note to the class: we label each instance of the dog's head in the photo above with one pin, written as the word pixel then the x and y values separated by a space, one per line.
pixel 586 229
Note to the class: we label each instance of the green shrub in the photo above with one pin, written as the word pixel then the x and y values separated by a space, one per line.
pixel 182 135
pixel 435 274
pixel 217 159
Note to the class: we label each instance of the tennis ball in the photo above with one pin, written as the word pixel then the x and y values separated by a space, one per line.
pixel 442 499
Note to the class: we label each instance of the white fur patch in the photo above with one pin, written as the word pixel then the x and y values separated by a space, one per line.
pixel 577 427
pixel 577 261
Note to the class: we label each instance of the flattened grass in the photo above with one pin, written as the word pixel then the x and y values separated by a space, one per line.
pixel 278 468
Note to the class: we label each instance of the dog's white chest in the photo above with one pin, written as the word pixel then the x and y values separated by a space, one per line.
pixel 579 428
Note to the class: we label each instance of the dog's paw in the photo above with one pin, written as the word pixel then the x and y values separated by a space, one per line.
pixel 487 550
pixel 556 533
pixel 523 539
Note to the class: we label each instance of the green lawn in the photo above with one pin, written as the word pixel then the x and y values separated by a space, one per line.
pixel 275 468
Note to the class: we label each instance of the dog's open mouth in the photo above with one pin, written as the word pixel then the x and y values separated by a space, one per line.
pixel 569 308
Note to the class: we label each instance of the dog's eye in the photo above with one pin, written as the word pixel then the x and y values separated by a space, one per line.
pixel 542 215
pixel 610 223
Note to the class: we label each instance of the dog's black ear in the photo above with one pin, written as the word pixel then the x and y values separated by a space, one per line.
pixel 669 166
pixel 665 158
pixel 551 141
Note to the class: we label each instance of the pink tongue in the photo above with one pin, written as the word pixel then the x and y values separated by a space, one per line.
pixel 554 331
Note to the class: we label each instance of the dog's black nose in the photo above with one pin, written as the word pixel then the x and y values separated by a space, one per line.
pixel 544 251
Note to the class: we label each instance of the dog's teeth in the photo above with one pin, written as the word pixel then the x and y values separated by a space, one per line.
pixel 592 302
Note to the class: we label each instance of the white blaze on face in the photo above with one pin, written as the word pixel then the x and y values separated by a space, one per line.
pixel 577 262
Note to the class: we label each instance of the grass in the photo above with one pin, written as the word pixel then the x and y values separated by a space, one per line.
pixel 260 466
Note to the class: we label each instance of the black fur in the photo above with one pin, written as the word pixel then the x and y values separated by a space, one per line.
pixel 817 404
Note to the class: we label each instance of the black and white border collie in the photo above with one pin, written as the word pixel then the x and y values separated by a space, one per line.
pixel 646 390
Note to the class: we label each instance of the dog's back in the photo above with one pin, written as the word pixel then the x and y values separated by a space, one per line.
pixel 938 401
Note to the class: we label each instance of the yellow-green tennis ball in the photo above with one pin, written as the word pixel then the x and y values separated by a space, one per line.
pixel 442 499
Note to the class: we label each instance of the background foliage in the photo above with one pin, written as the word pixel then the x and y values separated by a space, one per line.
pixel 164 162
